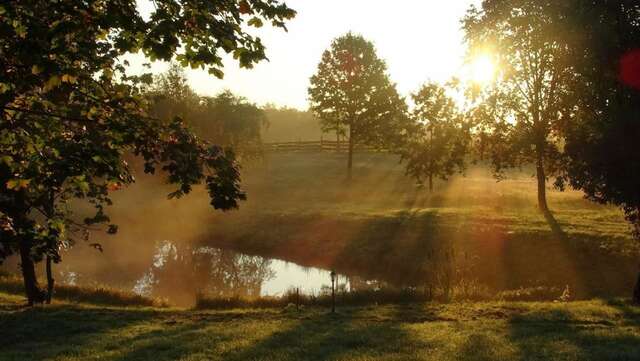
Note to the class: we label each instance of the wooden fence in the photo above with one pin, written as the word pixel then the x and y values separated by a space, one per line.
pixel 315 146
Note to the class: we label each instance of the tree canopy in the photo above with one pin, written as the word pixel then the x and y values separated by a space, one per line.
pixel 438 145
pixel 351 93
pixel 70 110
pixel 602 131
pixel 525 102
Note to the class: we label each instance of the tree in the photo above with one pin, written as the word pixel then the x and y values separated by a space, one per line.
pixel 524 38
pixel 70 112
pixel 233 121
pixel 439 144
pixel 225 119
pixel 352 91
pixel 170 95
pixel 602 131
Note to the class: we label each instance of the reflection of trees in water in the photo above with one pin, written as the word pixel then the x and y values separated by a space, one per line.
pixel 180 271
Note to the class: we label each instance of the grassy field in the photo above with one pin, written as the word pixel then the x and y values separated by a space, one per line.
pixel 382 225
pixel 586 330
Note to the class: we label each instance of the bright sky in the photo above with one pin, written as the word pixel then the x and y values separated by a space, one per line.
pixel 419 39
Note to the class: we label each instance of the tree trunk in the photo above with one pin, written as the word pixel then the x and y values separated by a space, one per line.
pixel 50 281
pixel 350 157
pixel 430 182
pixel 542 183
pixel 636 291
pixel 50 244
pixel 337 141
pixel 32 289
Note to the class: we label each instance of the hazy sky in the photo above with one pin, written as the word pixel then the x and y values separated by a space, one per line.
pixel 419 40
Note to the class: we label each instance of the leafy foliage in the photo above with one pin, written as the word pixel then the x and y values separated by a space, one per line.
pixel 603 131
pixel 70 111
pixel 224 119
pixel 440 142
pixel 524 106
pixel 351 92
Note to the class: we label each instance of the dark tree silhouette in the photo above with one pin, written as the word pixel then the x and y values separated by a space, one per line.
pixel 70 111
pixel 438 145
pixel 351 90
pixel 602 132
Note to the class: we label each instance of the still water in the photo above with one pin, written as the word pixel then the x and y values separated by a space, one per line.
pixel 177 273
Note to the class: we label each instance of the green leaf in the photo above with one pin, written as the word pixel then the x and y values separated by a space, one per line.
pixel 216 72
pixel 8 160
pixel 4 87
pixel 255 22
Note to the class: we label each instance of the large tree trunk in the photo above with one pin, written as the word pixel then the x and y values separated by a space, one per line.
pixel 32 289
pixel 50 281
pixel 350 157
pixel 51 244
pixel 542 182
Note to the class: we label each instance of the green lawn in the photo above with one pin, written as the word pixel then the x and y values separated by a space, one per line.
pixel 589 330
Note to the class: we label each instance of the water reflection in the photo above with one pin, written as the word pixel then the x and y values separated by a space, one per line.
pixel 179 272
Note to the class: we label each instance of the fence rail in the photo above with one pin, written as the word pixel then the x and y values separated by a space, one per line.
pixel 315 146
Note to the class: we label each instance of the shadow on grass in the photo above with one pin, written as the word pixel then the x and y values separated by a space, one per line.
pixel 44 332
pixel 630 312
pixel 398 247
pixel 557 335
pixel 329 336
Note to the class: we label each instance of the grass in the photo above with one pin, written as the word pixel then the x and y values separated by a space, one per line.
pixel 98 295
pixel 586 330
pixel 380 226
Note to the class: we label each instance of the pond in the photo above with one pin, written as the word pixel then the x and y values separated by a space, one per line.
pixel 178 273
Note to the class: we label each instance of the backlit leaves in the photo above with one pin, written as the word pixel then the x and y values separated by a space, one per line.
pixel 71 112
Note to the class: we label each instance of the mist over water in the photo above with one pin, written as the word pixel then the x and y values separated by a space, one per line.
pixel 302 219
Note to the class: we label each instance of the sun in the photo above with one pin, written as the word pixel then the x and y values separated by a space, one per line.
pixel 482 70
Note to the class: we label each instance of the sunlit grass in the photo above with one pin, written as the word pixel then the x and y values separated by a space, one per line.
pixel 300 208
pixel 593 330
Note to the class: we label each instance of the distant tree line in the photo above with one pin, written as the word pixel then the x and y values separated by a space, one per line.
pixel 224 119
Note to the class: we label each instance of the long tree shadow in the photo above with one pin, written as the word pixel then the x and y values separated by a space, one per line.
pixel 629 311
pixel 558 335
pixel 330 337
pixel 554 225
pixel 24 331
